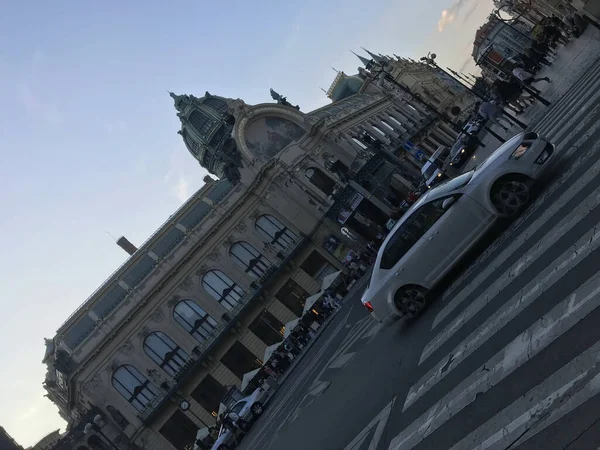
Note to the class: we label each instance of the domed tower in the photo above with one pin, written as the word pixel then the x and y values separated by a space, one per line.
pixel 206 127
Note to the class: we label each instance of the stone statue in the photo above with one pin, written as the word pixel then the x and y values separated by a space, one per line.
pixel 117 416
pixel 281 100
pixel 49 348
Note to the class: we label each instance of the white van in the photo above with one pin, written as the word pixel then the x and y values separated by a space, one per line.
pixel 432 170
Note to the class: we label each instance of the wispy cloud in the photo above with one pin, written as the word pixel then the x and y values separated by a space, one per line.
pixel 115 126
pixel 449 15
pixel 183 177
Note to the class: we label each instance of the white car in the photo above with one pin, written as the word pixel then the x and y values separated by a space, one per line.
pixel 432 236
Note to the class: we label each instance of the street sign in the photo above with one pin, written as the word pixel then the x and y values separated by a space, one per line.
pixel 408 145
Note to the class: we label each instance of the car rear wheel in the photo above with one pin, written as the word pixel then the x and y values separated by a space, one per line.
pixel 510 196
pixel 411 301
pixel 257 409
pixel 224 447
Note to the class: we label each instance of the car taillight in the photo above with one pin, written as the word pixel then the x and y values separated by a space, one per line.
pixel 368 306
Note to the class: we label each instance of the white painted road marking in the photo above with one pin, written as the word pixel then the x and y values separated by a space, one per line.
pixel 525 346
pixel 379 423
pixel 512 308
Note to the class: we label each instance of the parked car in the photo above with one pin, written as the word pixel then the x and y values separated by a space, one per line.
pixel 432 170
pixel 463 149
pixel 432 236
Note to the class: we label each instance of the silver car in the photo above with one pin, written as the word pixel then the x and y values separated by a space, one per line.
pixel 446 221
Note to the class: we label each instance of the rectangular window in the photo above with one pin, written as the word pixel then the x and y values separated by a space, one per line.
pixel 317 266
pixel 180 431
pixel 209 394
pixel 267 328
pixel 169 241
pixel 79 332
pixel 293 296
pixel 240 360
pixel 109 301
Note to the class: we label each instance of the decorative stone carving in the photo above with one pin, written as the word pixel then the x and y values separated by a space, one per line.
pixel 114 365
pixel 187 284
pixel 157 316
pixel 92 384
pixel 213 256
pixel 201 270
pixel 227 242
pixel 173 300
pixel 241 227
pixel 255 214
pixel 126 348
pixel 143 332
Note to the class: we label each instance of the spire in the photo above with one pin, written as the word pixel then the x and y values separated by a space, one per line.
pixel 178 100
pixel 375 57
pixel 363 60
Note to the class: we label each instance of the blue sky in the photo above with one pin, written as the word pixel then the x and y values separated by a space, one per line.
pixel 88 132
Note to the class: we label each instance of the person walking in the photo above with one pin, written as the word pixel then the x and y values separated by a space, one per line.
pixel 493 113
pixel 527 78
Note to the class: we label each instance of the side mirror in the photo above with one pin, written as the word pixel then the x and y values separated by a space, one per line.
pixel 448 202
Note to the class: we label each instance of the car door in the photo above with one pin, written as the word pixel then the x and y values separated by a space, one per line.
pixel 450 225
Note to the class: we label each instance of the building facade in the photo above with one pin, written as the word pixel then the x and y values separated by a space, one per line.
pixel 7 442
pixel 48 441
pixel 194 308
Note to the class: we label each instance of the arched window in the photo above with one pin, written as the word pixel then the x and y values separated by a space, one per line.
pixel 277 233
pixel 359 143
pixel 249 259
pixel 396 121
pixel 318 178
pixel 165 352
pixel 378 130
pixel 222 288
pixel 133 386
pixel 201 122
pixel 194 320
pixel 387 125
pixel 96 443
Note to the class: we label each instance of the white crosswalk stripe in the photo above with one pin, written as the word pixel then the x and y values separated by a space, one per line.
pixel 570 124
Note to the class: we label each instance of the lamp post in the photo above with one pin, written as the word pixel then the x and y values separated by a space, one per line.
pixel 96 426
pixel 184 405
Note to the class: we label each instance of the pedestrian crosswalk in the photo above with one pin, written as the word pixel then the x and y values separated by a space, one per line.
pixel 513 347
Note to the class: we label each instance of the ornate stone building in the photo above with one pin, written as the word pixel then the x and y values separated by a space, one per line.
pixel 195 306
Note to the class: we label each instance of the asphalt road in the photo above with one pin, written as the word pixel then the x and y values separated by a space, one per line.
pixel 507 357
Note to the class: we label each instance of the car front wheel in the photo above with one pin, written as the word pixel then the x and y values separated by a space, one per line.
pixel 510 196
pixel 224 447
pixel 257 409
pixel 411 301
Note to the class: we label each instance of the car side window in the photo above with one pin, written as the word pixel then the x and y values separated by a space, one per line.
pixel 237 407
pixel 409 233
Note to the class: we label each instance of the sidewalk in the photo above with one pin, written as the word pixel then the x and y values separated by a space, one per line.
pixel 358 286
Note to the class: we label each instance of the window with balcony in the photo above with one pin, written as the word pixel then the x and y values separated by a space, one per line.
pixel 275 232
pixel 249 259
pixel 293 296
pixel 194 320
pixel 267 328
pixel 209 394
pixel 222 289
pixel 134 386
pixel 165 352
pixel 240 360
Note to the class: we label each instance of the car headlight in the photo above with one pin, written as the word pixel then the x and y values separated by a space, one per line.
pixel 463 150
pixel 439 175
pixel 521 150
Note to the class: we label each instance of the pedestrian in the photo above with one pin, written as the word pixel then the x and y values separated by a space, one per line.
pixel 493 113
pixel 527 79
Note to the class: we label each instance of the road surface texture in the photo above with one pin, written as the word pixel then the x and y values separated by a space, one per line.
pixel 508 354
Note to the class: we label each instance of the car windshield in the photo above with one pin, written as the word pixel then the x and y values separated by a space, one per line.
pixel 452 184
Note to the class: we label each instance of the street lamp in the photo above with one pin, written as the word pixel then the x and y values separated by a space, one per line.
pixel 185 406
pixel 96 426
